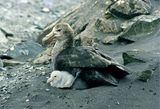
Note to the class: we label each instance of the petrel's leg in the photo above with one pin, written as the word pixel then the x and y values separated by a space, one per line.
pixel 78 83
pixel 76 72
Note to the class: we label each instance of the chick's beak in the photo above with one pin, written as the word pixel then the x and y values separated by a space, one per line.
pixel 49 80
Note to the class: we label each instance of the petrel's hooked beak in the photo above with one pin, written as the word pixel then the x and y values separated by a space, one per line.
pixel 50 37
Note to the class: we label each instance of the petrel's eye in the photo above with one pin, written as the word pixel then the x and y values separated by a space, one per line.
pixel 55 76
pixel 59 30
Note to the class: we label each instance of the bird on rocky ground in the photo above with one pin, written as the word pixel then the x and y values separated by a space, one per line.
pixel 60 79
pixel 80 67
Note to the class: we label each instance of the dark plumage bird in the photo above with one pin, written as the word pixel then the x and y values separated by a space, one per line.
pixel 83 67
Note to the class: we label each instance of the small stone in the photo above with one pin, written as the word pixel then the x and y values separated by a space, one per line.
pixel 2 69
pixel 7 32
pixel 28 94
pixel 3 37
pixel 46 10
pixel 31 68
pixel 150 90
pixel 24 1
pixel 27 100
pixel 145 75
pixel 109 2
pixel 12 62
pixel 108 15
pixel 47 90
pixel 109 107
pixel 68 105
pixel 26 85
pixel 43 73
pixel 48 102
pixel 29 107
pixel 40 68
pixel 117 102
pixel 80 106
pixel 109 40
pixel 129 87
pixel 131 57
pixel 155 93
pixel 143 88
pixel 44 82
pixel 9 75
pixel 9 92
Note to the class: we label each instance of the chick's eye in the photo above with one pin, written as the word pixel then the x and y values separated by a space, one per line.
pixel 59 30
pixel 55 76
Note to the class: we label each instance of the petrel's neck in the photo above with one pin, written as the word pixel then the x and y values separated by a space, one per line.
pixel 59 47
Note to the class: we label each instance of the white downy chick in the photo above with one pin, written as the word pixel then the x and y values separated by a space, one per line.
pixel 61 79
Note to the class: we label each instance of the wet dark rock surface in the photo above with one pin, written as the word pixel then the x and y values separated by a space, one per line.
pixel 24 86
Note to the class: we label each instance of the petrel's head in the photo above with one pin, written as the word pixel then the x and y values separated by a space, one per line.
pixel 61 31
pixel 60 79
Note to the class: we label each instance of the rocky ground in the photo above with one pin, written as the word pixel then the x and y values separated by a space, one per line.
pixel 23 84
pixel 26 18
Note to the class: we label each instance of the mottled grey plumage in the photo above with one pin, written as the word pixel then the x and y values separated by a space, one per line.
pixel 80 57
pixel 95 67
